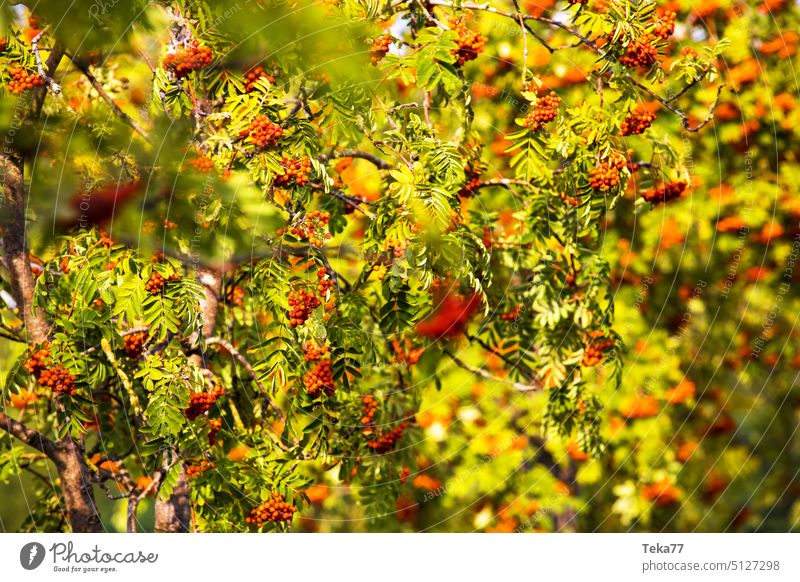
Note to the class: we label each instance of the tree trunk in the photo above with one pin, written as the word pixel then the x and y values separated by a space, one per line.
pixel 67 454
pixel 174 514
pixel 15 247
pixel 76 487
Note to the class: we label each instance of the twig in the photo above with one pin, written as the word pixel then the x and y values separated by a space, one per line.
pixel 683 91
pixel 505 182
pixel 53 87
pixel 484 374
pixel 123 377
pixel 524 40
pixel 228 347
pixel 349 200
pixel 109 101
pixel 710 116
pixel 27 435
pixel 375 160
pixel 426 108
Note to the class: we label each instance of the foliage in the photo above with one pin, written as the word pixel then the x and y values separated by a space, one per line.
pixel 295 262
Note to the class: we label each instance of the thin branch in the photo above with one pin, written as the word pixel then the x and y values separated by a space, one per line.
pixel 355 203
pixel 52 86
pixel 524 40
pixel 710 116
pixel 27 435
pixel 228 347
pixel 109 101
pixel 504 182
pixel 488 376
pixel 683 91
pixel 347 153
pixel 123 377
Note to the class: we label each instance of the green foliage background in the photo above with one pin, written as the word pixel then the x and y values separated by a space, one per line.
pixel 508 428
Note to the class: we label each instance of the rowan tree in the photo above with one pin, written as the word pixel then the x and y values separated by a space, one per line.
pixel 254 254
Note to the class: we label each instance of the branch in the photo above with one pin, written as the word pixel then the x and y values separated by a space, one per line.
pixel 52 86
pixel 27 435
pixel 591 45
pixel 352 201
pixel 667 103
pixel 505 182
pixel 107 98
pixel 524 29
pixel 488 376
pixel 228 347
pixel 375 160
pixel 123 377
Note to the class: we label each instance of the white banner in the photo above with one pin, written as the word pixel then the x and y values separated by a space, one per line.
pixel 400 557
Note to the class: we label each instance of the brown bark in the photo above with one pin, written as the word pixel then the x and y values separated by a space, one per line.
pixel 72 471
pixel 15 248
pixel 174 514
pixel 76 487
pixel 67 454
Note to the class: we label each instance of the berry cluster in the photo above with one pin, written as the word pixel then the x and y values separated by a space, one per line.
pixel 263 133
pixel 134 344
pixel 661 493
pixel 188 59
pixel 470 43
pixel 664 26
pixel 606 175
pixel 689 53
pixel 201 402
pixel 404 474
pixel 368 414
pixel 325 283
pixel 511 315
pixel 38 361
pixel 405 353
pixel 21 80
pixel 387 441
pixel 202 164
pixel 155 284
pixel 665 192
pixel 253 76
pixel 296 172
pixel 637 123
pixel 198 469
pixel 272 510
pixel 57 378
pixel 235 296
pixel 320 379
pixel 380 48
pixel 544 111
pixel 214 425
pixel 301 304
pixel 313 352
pixel 640 53
pixel 595 345
pixel 312 227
